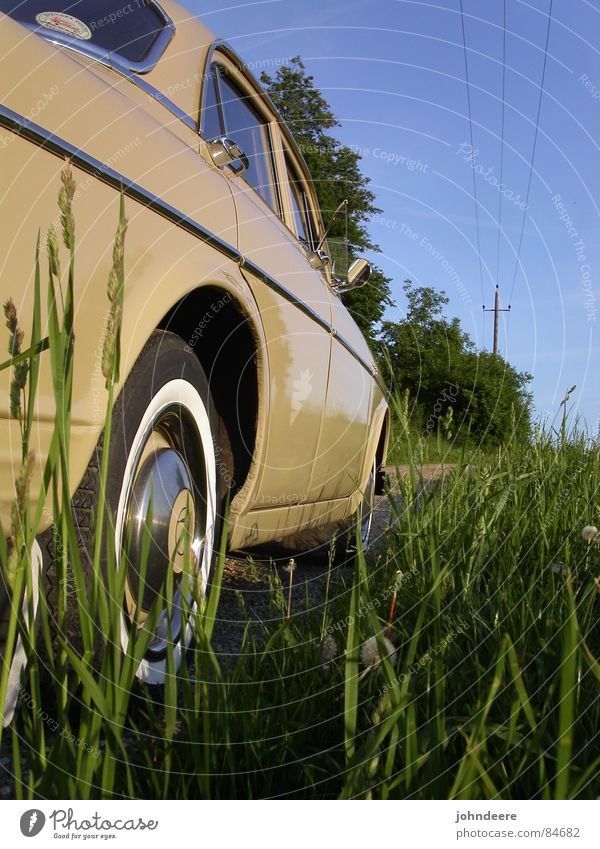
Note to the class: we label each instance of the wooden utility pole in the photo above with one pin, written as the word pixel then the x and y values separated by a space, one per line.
pixel 496 310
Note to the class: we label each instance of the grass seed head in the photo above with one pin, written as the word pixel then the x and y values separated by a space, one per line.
pixel 110 340
pixel 10 312
pixel 17 516
pixel 114 289
pixel 369 653
pixel 53 257
pixel 65 204
pixel 329 650
pixel 118 265
pixel 20 371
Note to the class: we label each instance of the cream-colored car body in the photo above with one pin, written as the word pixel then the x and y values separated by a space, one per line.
pixel 201 246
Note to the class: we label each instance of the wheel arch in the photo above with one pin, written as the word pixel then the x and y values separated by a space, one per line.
pixel 229 344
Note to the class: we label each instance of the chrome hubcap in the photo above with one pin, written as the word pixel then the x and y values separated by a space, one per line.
pixel 181 521
pixel 164 526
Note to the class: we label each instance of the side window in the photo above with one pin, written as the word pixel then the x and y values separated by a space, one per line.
pixel 300 207
pixel 212 125
pixel 245 125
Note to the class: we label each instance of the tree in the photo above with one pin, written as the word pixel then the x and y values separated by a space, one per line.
pixel 493 398
pixel 436 361
pixel 424 353
pixel 335 169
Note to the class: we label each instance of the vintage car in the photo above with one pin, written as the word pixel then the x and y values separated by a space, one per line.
pixel 241 369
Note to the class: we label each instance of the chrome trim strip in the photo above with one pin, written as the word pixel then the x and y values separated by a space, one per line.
pixel 92 50
pixel 59 147
pixel 31 131
pixel 285 293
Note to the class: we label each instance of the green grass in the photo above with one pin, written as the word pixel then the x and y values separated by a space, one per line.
pixel 492 693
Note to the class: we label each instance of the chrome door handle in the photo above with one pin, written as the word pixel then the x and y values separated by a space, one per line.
pixel 225 152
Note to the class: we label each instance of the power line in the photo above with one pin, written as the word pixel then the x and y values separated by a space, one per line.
pixel 462 21
pixel 502 142
pixel 535 136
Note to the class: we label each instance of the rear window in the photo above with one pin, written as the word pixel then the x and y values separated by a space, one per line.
pixel 132 31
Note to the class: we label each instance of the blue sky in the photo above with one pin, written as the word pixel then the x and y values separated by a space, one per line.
pixel 394 74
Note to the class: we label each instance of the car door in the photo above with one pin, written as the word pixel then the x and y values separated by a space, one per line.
pixel 293 299
pixel 340 458
pixel 346 426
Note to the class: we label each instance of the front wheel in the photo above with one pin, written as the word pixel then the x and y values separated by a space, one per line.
pixel 163 496
pixel 163 467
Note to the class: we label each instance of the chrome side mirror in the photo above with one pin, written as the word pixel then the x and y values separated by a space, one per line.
pixel 224 152
pixel 359 273
pixel 358 276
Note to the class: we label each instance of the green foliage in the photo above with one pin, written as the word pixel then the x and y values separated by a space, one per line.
pixel 483 582
pixel 335 169
pixel 492 692
pixel 425 352
pixel 432 358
